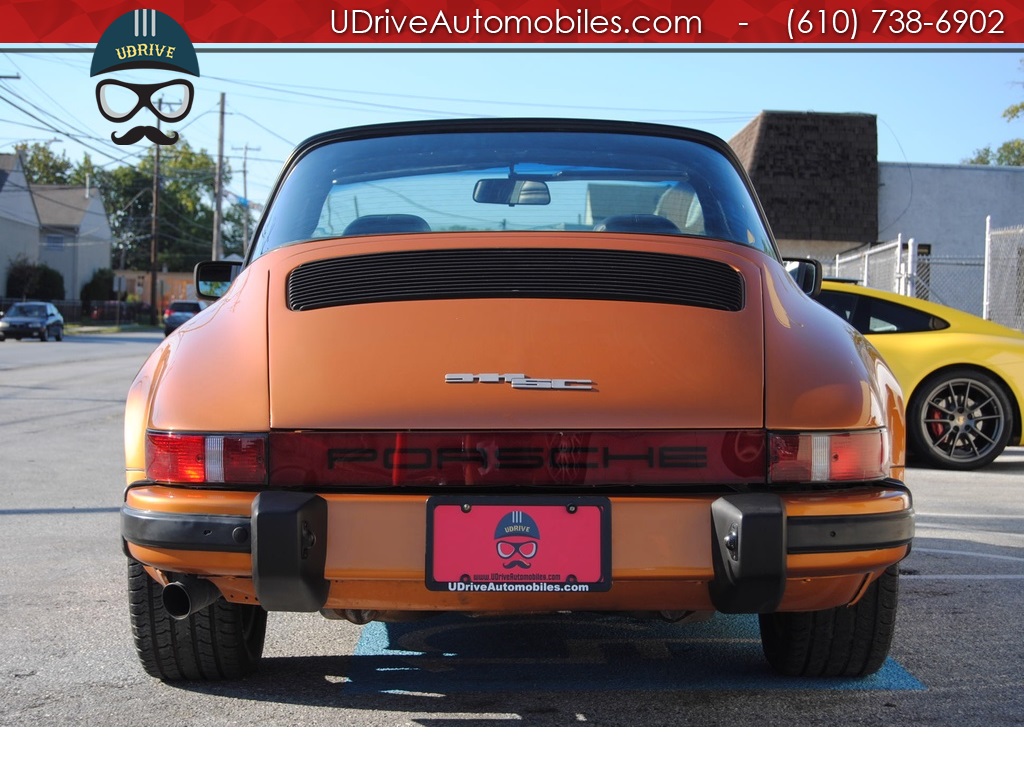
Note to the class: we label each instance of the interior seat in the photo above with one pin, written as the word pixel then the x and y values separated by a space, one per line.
pixel 638 222
pixel 386 223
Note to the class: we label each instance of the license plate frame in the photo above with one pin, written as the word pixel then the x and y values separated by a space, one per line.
pixel 554 544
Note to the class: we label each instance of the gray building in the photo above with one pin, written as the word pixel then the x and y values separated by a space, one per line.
pixel 824 191
pixel 74 233
pixel 19 223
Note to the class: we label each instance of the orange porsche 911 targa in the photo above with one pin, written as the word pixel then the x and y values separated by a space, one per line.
pixel 514 366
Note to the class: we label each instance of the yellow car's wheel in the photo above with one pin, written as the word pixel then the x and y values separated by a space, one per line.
pixel 959 419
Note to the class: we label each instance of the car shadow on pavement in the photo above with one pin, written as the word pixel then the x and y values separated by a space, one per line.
pixel 453 664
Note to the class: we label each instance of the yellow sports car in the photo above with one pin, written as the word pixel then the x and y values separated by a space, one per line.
pixel 963 377
pixel 508 367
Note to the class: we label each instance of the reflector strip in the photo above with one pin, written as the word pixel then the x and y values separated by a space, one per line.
pixel 821 457
pixel 214 459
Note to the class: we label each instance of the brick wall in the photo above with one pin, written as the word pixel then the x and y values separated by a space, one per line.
pixel 815 173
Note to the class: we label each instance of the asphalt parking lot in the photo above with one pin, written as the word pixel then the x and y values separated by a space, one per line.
pixel 69 660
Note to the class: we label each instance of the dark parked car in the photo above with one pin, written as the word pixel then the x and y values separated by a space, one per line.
pixel 180 311
pixel 32 319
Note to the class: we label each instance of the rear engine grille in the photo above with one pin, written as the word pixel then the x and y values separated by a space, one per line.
pixel 533 274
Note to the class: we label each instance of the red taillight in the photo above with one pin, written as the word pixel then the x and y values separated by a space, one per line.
pixel 829 457
pixel 191 459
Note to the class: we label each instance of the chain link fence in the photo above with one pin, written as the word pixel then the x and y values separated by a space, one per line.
pixel 1004 278
pixel 876 267
pixel 956 281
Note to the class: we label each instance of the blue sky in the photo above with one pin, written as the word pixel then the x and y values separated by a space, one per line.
pixel 931 107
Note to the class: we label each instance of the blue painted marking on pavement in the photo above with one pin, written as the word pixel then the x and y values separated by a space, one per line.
pixel 566 652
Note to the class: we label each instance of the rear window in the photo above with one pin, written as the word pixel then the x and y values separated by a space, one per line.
pixel 540 180
pixel 185 306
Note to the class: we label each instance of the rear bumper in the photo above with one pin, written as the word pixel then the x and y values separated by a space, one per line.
pixel 736 553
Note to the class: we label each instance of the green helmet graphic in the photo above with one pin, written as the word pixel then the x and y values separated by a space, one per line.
pixel 144 39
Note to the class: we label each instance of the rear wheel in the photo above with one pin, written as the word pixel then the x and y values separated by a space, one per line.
pixel 959 419
pixel 223 641
pixel 850 641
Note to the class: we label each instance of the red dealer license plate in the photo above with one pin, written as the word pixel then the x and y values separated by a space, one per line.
pixel 517 544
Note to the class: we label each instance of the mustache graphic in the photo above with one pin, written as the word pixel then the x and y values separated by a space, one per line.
pixel 144 132
pixel 517 564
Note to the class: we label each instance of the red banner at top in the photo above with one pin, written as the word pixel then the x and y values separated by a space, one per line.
pixel 538 22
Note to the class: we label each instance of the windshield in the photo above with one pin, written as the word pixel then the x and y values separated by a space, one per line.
pixel 27 310
pixel 512 181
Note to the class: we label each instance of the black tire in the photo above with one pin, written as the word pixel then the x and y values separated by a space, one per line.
pixel 60 333
pixel 959 419
pixel 44 335
pixel 224 641
pixel 850 641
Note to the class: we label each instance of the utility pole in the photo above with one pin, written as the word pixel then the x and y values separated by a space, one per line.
pixel 153 226
pixel 153 223
pixel 218 185
pixel 245 191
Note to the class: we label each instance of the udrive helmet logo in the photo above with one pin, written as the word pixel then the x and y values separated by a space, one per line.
pixel 144 39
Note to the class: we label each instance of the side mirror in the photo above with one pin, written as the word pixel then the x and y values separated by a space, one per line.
pixel 511 192
pixel 213 278
pixel 807 273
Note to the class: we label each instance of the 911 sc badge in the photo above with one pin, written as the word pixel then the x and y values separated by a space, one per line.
pixel 518 381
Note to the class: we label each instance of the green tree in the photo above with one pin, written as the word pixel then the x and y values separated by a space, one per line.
pixel 236 227
pixel 185 216
pixel 1009 152
pixel 43 166
pixel 99 288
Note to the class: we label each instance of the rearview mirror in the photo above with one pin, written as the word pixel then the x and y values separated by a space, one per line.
pixel 213 278
pixel 511 192
pixel 807 273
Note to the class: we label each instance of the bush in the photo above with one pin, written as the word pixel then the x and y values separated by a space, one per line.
pixel 99 288
pixel 34 281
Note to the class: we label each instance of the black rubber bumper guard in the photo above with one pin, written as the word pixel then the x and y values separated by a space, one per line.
pixel 289 550
pixel 751 538
pixel 287 536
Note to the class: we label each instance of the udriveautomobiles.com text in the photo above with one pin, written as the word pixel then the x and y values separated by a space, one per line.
pixel 445 25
